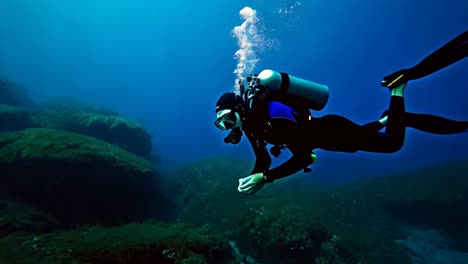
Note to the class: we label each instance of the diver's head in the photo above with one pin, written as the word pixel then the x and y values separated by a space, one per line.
pixel 227 112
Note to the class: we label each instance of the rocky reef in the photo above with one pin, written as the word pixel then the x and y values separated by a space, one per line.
pixel 366 221
pixel 14 118
pixel 77 179
pixel 18 218
pixel 79 117
pixel 435 197
pixel 149 242
pixel 18 111
pixel 282 223
pixel 289 222
pixel 104 125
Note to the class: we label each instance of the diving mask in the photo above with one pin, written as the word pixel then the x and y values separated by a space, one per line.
pixel 227 119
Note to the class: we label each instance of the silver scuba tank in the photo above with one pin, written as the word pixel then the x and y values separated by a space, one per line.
pixel 314 95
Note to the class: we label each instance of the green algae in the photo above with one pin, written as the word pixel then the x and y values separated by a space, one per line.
pixel 49 144
pixel 150 242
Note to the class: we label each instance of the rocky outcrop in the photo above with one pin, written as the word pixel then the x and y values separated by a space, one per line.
pixel 12 94
pixel 143 243
pixel 115 129
pixel 14 118
pixel 265 227
pixel 75 178
pixel 435 197
pixel 356 222
pixel 17 218
pixel 101 124
pixel 286 235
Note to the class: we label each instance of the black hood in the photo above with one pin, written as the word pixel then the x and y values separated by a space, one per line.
pixel 226 101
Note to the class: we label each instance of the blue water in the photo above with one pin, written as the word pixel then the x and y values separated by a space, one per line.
pixel 166 63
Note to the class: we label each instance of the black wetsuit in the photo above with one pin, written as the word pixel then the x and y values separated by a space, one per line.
pixel 305 133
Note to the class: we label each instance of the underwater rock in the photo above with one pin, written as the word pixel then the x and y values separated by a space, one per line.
pixel 149 242
pixel 435 197
pixel 20 218
pixel 128 135
pixel 74 105
pixel 77 179
pixel 197 183
pixel 239 256
pixel 84 119
pixel 288 221
pixel 286 235
pixel 366 215
pixel 12 94
pixel 14 118
pixel 263 230
pixel 431 246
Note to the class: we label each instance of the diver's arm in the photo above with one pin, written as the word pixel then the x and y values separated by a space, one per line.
pixel 291 166
pixel 301 158
pixel 262 157
pixel 301 155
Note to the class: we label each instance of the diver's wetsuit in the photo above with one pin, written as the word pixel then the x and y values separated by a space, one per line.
pixel 428 123
pixel 304 133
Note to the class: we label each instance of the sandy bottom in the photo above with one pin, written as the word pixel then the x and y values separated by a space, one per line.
pixel 431 246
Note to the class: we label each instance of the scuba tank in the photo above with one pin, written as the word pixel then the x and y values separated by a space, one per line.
pixel 297 94
pixel 313 95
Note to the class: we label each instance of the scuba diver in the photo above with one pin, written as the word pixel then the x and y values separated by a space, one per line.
pixel 275 109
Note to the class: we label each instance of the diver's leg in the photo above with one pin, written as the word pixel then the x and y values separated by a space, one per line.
pixel 425 122
pixel 395 130
pixel 336 133
pixel 379 124
pixel 375 125
pixel 450 53
pixel 435 124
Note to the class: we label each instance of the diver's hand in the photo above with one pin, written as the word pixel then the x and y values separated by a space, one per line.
pixel 251 184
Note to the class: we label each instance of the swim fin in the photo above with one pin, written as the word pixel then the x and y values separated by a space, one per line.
pixel 448 54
